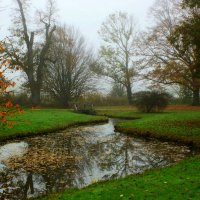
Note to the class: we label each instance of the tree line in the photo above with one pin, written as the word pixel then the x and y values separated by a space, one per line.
pixel 56 59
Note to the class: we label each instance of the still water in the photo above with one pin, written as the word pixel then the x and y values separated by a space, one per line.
pixel 77 157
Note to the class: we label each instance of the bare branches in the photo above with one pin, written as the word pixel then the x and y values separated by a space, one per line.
pixel 118 33
pixel 48 18
pixel 69 74
pixel 33 51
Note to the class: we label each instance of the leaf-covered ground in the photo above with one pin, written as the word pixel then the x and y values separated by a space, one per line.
pixel 178 182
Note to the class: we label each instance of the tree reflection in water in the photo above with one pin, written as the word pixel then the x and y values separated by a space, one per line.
pixel 79 156
pixel 125 155
pixel 51 164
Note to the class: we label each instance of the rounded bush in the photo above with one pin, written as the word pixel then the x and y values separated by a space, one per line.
pixel 151 101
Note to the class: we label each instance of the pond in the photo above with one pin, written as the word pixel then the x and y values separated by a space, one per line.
pixel 77 157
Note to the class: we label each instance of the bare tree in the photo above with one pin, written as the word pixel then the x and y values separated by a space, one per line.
pixel 69 74
pixel 165 58
pixel 118 33
pixel 32 51
pixel 118 90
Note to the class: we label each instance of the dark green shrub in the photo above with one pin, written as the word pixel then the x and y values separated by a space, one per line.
pixel 21 99
pixel 151 101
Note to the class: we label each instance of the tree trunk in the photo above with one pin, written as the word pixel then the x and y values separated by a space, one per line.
pixel 35 96
pixel 196 99
pixel 129 94
pixel 64 100
pixel 29 184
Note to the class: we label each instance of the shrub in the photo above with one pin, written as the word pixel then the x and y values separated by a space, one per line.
pixel 21 99
pixel 84 108
pixel 151 101
pixel 98 99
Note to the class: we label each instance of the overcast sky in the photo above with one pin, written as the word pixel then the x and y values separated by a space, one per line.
pixel 87 15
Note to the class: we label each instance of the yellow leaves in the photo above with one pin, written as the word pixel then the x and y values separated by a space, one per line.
pixel 94 181
pixel 2 49
pixel 43 159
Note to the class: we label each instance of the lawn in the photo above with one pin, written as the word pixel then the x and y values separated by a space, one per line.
pixel 182 126
pixel 181 182
pixel 44 121
pixel 175 124
pixel 123 112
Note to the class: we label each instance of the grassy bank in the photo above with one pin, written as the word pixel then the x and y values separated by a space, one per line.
pixel 181 181
pixel 177 123
pixel 181 126
pixel 123 112
pixel 44 121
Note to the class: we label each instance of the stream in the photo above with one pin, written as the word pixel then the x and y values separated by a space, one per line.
pixel 35 166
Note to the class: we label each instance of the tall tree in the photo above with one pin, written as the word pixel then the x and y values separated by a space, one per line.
pixel 118 33
pixel 167 49
pixel 186 38
pixel 32 52
pixel 68 75
pixel 191 3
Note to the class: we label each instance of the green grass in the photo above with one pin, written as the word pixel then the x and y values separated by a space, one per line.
pixel 124 112
pixel 183 126
pixel 44 121
pixel 175 125
pixel 178 182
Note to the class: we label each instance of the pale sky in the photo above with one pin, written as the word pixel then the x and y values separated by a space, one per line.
pixel 86 15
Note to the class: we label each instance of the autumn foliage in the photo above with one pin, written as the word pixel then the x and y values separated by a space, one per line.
pixel 7 108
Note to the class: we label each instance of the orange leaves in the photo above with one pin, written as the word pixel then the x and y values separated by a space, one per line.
pixel 17 106
pixel 9 104
pixel 2 49
pixel 7 108
pixel 4 85
pixel 13 83
pixel 2 113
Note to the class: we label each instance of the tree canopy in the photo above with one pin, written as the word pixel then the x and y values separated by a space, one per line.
pixel 170 52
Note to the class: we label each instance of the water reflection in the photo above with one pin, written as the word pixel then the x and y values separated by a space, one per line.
pixel 77 157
